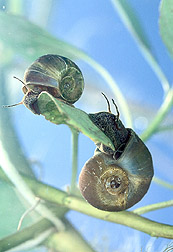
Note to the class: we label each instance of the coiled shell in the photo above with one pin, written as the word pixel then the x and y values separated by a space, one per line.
pixel 114 185
pixel 57 74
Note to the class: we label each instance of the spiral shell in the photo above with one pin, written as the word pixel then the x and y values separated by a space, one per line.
pixel 114 185
pixel 56 74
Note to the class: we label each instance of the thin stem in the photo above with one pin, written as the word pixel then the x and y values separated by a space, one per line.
pixel 43 232
pixel 24 190
pixel 29 237
pixel 27 212
pixel 163 183
pixel 165 128
pixel 75 135
pixel 126 218
pixel 141 44
pixel 120 99
pixel 161 114
pixel 153 207
pixel 75 242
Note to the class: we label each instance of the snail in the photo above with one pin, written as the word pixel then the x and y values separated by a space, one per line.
pixel 116 180
pixel 57 75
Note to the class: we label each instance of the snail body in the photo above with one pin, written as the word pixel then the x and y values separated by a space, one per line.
pixel 116 180
pixel 112 128
pixel 55 74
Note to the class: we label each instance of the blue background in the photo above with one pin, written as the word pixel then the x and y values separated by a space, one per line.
pixel 95 27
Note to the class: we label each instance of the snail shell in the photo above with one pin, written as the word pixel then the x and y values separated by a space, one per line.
pixel 117 184
pixel 55 74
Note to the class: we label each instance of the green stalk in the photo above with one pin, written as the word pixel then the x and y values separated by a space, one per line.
pixel 28 237
pixel 125 218
pixel 16 179
pixel 70 240
pixel 131 25
pixel 161 114
pixel 153 207
pixel 44 232
pixel 119 97
pixel 162 183
pixel 75 135
pixel 165 128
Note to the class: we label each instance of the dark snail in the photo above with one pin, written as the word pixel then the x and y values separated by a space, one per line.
pixel 116 180
pixel 55 74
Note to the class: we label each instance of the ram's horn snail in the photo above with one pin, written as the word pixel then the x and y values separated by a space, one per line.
pixel 115 181
pixel 55 74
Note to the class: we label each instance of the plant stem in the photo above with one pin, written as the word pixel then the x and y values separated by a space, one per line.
pixel 153 207
pixel 44 232
pixel 75 135
pixel 23 188
pixel 128 22
pixel 162 183
pixel 75 242
pixel 165 128
pixel 124 217
pixel 119 97
pixel 32 236
pixel 161 114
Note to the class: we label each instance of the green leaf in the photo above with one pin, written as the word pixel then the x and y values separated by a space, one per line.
pixel 166 23
pixel 60 113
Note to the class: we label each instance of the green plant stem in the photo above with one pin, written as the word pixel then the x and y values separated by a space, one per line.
pixel 75 135
pixel 23 188
pixel 124 217
pixel 29 237
pixel 161 114
pixel 162 183
pixel 143 48
pixel 120 99
pixel 153 207
pixel 165 128
pixel 72 240
pixel 44 232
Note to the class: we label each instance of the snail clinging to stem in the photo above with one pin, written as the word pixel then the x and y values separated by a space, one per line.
pixel 55 74
pixel 116 180
pixel 112 180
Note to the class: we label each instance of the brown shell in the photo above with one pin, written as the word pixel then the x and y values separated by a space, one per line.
pixel 115 185
pixel 56 74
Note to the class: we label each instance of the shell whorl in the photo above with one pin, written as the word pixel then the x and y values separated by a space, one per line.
pixel 115 185
pixel 60 75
